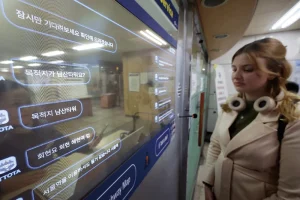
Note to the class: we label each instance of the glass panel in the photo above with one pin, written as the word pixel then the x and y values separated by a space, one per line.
pixel 83 84
pixel 197 86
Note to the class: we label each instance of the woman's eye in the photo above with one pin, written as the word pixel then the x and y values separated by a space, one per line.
pixel 248 69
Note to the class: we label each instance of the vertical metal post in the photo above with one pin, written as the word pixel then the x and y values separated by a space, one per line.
pixel 184 45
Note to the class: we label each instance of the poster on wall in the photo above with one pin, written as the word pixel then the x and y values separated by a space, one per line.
pixel 134 82
pixel 221 87
pixel 144 78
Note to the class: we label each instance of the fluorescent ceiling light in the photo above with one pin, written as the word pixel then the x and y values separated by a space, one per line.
pixel 7 62
pixel 156 37
pixel 4 70
pixel 56 61
pixel 18 67
pixel 88 46
pixel 53 53
pixel 27 58
pixel 34 65
pixel 288 18
pixel 291 20
pixel 151 38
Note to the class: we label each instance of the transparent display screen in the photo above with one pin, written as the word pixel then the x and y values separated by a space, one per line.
pixel 83 85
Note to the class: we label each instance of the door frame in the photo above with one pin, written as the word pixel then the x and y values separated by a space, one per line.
pixel 184 46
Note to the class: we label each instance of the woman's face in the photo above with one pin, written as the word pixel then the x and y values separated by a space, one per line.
pixel 247 77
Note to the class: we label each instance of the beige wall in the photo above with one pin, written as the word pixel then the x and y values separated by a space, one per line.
pixel 142 102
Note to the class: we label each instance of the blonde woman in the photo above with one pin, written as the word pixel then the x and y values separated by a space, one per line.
pixel 247 159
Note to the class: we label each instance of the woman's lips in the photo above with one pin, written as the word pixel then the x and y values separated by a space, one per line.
pixel 238 84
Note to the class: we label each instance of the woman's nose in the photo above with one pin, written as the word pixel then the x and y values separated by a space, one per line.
pixel 237 74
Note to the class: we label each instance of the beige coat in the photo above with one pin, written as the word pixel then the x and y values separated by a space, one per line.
pixel 247 167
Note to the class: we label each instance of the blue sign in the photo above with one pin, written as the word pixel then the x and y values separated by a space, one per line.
pixel 122 186
pixel 162 142
pixel 168 8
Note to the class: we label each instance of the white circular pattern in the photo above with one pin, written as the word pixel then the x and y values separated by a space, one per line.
pixel 269 104
pixel 241 104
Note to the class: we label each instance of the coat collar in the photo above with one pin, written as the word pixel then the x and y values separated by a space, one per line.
pixel 256 129
pixel 227 120
pixel 268 117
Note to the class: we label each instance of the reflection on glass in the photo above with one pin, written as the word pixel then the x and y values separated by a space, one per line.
pixel 78 95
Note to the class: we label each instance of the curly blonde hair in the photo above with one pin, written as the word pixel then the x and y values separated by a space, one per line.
pixel 274 52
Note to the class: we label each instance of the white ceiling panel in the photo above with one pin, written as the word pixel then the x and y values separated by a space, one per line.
pixel 267 13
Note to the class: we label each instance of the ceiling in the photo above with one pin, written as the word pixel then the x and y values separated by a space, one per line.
pixel 267 13
pixel 239 18
pixel 231 18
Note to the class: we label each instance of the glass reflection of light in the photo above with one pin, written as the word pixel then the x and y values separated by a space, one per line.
pixel 53 53
pixel 34 64
pixel 5 62
pixel 18 67
pixel 156 37
pixel 27 58
pixel 4 70
pixel 151 38
pixel 87 46
pixel 56 61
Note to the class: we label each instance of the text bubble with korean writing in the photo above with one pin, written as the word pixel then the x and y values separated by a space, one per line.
pixel 41 73
pixel 53 187
pixel 46 153
pixel 46 114
pixel 29 17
